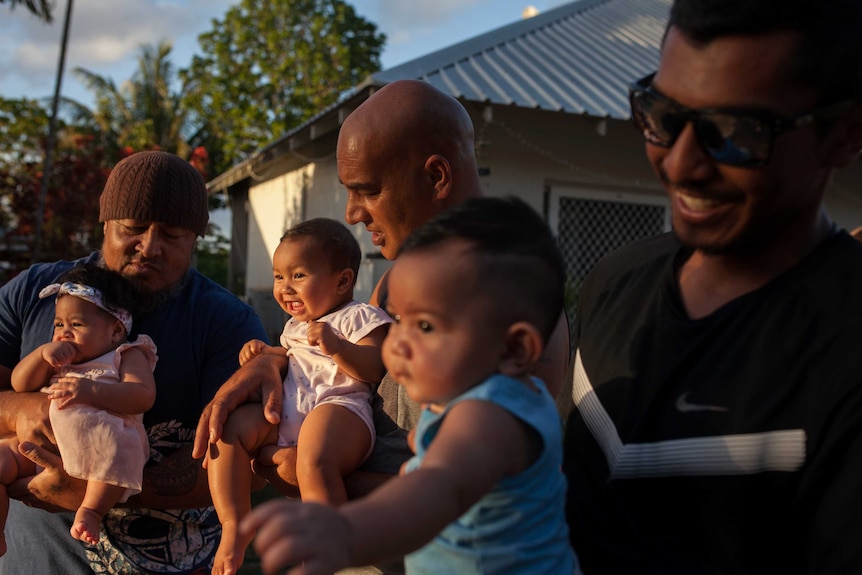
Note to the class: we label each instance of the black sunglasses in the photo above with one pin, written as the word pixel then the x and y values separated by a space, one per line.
pixel 735 137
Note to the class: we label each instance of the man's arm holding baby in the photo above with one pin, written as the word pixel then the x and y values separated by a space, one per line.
pixel 26 415
pixel 177 482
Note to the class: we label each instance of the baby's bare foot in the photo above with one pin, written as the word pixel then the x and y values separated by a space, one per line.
pixel 86 525
pixel 230 552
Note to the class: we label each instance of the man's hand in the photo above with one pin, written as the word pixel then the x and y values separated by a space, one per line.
pixel 278 466
pixel 258 380
pixel 50 489
pixel 31 419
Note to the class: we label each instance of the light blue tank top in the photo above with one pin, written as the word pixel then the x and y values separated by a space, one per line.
pixel 520 525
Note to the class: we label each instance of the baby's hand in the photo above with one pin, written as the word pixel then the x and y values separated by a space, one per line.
pixel 68 391
pixel 322 335
pixel 251 349
pixel 59 353
pixel 299 537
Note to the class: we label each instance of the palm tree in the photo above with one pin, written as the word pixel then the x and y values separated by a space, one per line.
pixel 165 111
pixel 142 113
pixel 43 9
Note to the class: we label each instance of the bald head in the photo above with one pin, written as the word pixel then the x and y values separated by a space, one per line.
pixel 404 155
pixel 413 118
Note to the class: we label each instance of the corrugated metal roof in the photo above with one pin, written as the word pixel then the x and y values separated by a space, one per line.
pixel 577 58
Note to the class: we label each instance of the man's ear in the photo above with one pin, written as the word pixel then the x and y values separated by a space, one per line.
pixel 849 139
pixel 524 348
pixel 345 280
pixel 438 169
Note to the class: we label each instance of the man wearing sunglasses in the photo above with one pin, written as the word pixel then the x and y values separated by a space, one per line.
pixel 718 372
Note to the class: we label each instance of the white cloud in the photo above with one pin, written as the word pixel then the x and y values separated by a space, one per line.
pixel 36 57
pixel 107 31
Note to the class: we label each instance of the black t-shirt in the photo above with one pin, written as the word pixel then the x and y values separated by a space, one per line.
pixel 726 444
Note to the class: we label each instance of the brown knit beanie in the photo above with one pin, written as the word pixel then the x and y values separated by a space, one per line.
pixel 156 187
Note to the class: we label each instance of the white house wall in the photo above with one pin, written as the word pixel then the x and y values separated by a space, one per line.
pixel 527 152
pixel 274 206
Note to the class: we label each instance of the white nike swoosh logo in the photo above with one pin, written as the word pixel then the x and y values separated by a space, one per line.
pixel 684 406
pixel 780 450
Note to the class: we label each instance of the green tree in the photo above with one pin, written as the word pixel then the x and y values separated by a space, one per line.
pixel 211 256
pixel 270 65
pixel 44 9
pixel 142 113
pixel 23 123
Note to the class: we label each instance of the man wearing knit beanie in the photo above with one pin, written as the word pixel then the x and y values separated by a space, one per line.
pixel 154 206
pixel 156 187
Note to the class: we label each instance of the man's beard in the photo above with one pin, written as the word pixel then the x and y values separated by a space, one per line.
pixel 156 300
pixel 149 301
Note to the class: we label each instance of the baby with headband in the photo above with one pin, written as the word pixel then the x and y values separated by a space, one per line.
pixel 99 384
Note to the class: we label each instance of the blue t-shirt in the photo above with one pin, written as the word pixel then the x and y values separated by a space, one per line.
pixel 519 527
pixel 198 335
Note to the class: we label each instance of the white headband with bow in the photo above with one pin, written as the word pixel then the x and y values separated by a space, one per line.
pixel 91 295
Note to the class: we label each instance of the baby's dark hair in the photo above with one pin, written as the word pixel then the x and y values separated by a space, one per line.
pixel 117 291
pixel 519 260
pixel 333 238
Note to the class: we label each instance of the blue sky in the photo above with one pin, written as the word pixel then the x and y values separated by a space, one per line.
pixel 105 35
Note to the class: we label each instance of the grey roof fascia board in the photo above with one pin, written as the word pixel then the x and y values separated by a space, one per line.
pixel 248 167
